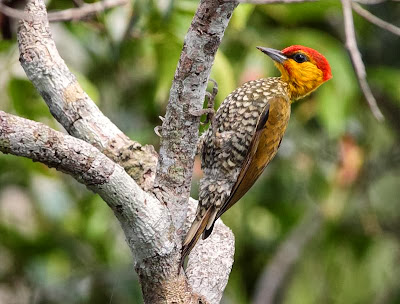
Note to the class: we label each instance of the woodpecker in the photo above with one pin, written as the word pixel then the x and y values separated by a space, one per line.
pixel 247 131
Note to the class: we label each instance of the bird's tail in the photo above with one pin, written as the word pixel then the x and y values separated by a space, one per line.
pixel 211 193
pixel 198 227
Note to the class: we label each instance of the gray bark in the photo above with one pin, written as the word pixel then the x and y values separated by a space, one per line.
pixel 122 171
pixel 145 225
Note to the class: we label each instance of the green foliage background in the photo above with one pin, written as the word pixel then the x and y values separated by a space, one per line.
pixel 59 243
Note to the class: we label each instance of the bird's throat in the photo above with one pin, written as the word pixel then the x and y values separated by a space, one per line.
pixel 300 83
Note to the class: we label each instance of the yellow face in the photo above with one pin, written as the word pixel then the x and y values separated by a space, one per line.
pixel 301 67
pixel 303 77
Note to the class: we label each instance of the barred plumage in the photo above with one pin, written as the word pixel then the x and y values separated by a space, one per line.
pixel 246 134
pixel 223 153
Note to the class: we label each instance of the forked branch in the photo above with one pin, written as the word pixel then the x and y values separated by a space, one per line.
pixel 180 128
pixel 70 105
pixel 375 20
pixel 358 64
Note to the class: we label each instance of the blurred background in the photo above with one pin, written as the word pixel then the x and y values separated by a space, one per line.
pixel 322 224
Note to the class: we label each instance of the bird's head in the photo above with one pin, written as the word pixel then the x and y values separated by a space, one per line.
pixel 303 68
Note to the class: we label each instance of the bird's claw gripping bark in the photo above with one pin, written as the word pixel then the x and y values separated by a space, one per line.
pixel 209 111
pixel 211 101
pixel 202 112
pixel 215 87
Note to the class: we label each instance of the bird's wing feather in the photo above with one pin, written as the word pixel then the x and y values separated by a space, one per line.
pixel 247 175
pixel 254 163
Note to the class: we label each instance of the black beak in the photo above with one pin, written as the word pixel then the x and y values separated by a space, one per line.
pixel 274 54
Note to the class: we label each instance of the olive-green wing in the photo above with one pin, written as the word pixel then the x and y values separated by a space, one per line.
pixel 251 168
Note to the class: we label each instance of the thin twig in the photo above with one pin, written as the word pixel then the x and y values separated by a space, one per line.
pixel 370 2
pixel 375 20
pixel 70 105
pixel 68 14
pixel 356 59
pixel 275 1
pixel 180 129
pixel 85 10
pixel 12 12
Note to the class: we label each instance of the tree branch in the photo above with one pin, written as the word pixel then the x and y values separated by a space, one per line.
pixel 180 128
pixel 288 253
pixel 84 10
pixel 70 105
pixel 179 142
pixel 275 1
pixel 375 20
pixel 356 59
pixel 145 221
pixel 369 2
pixel 80 12
pixel 146 226
pixel 12 12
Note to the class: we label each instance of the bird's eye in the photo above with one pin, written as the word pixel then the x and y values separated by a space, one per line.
pixel 300 58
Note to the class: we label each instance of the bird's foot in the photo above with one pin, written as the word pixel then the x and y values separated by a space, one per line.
pixel 211 101
pixel 201 112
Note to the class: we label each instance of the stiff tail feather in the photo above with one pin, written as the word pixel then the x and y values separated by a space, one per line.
pixel 198 227
pixel 210 224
